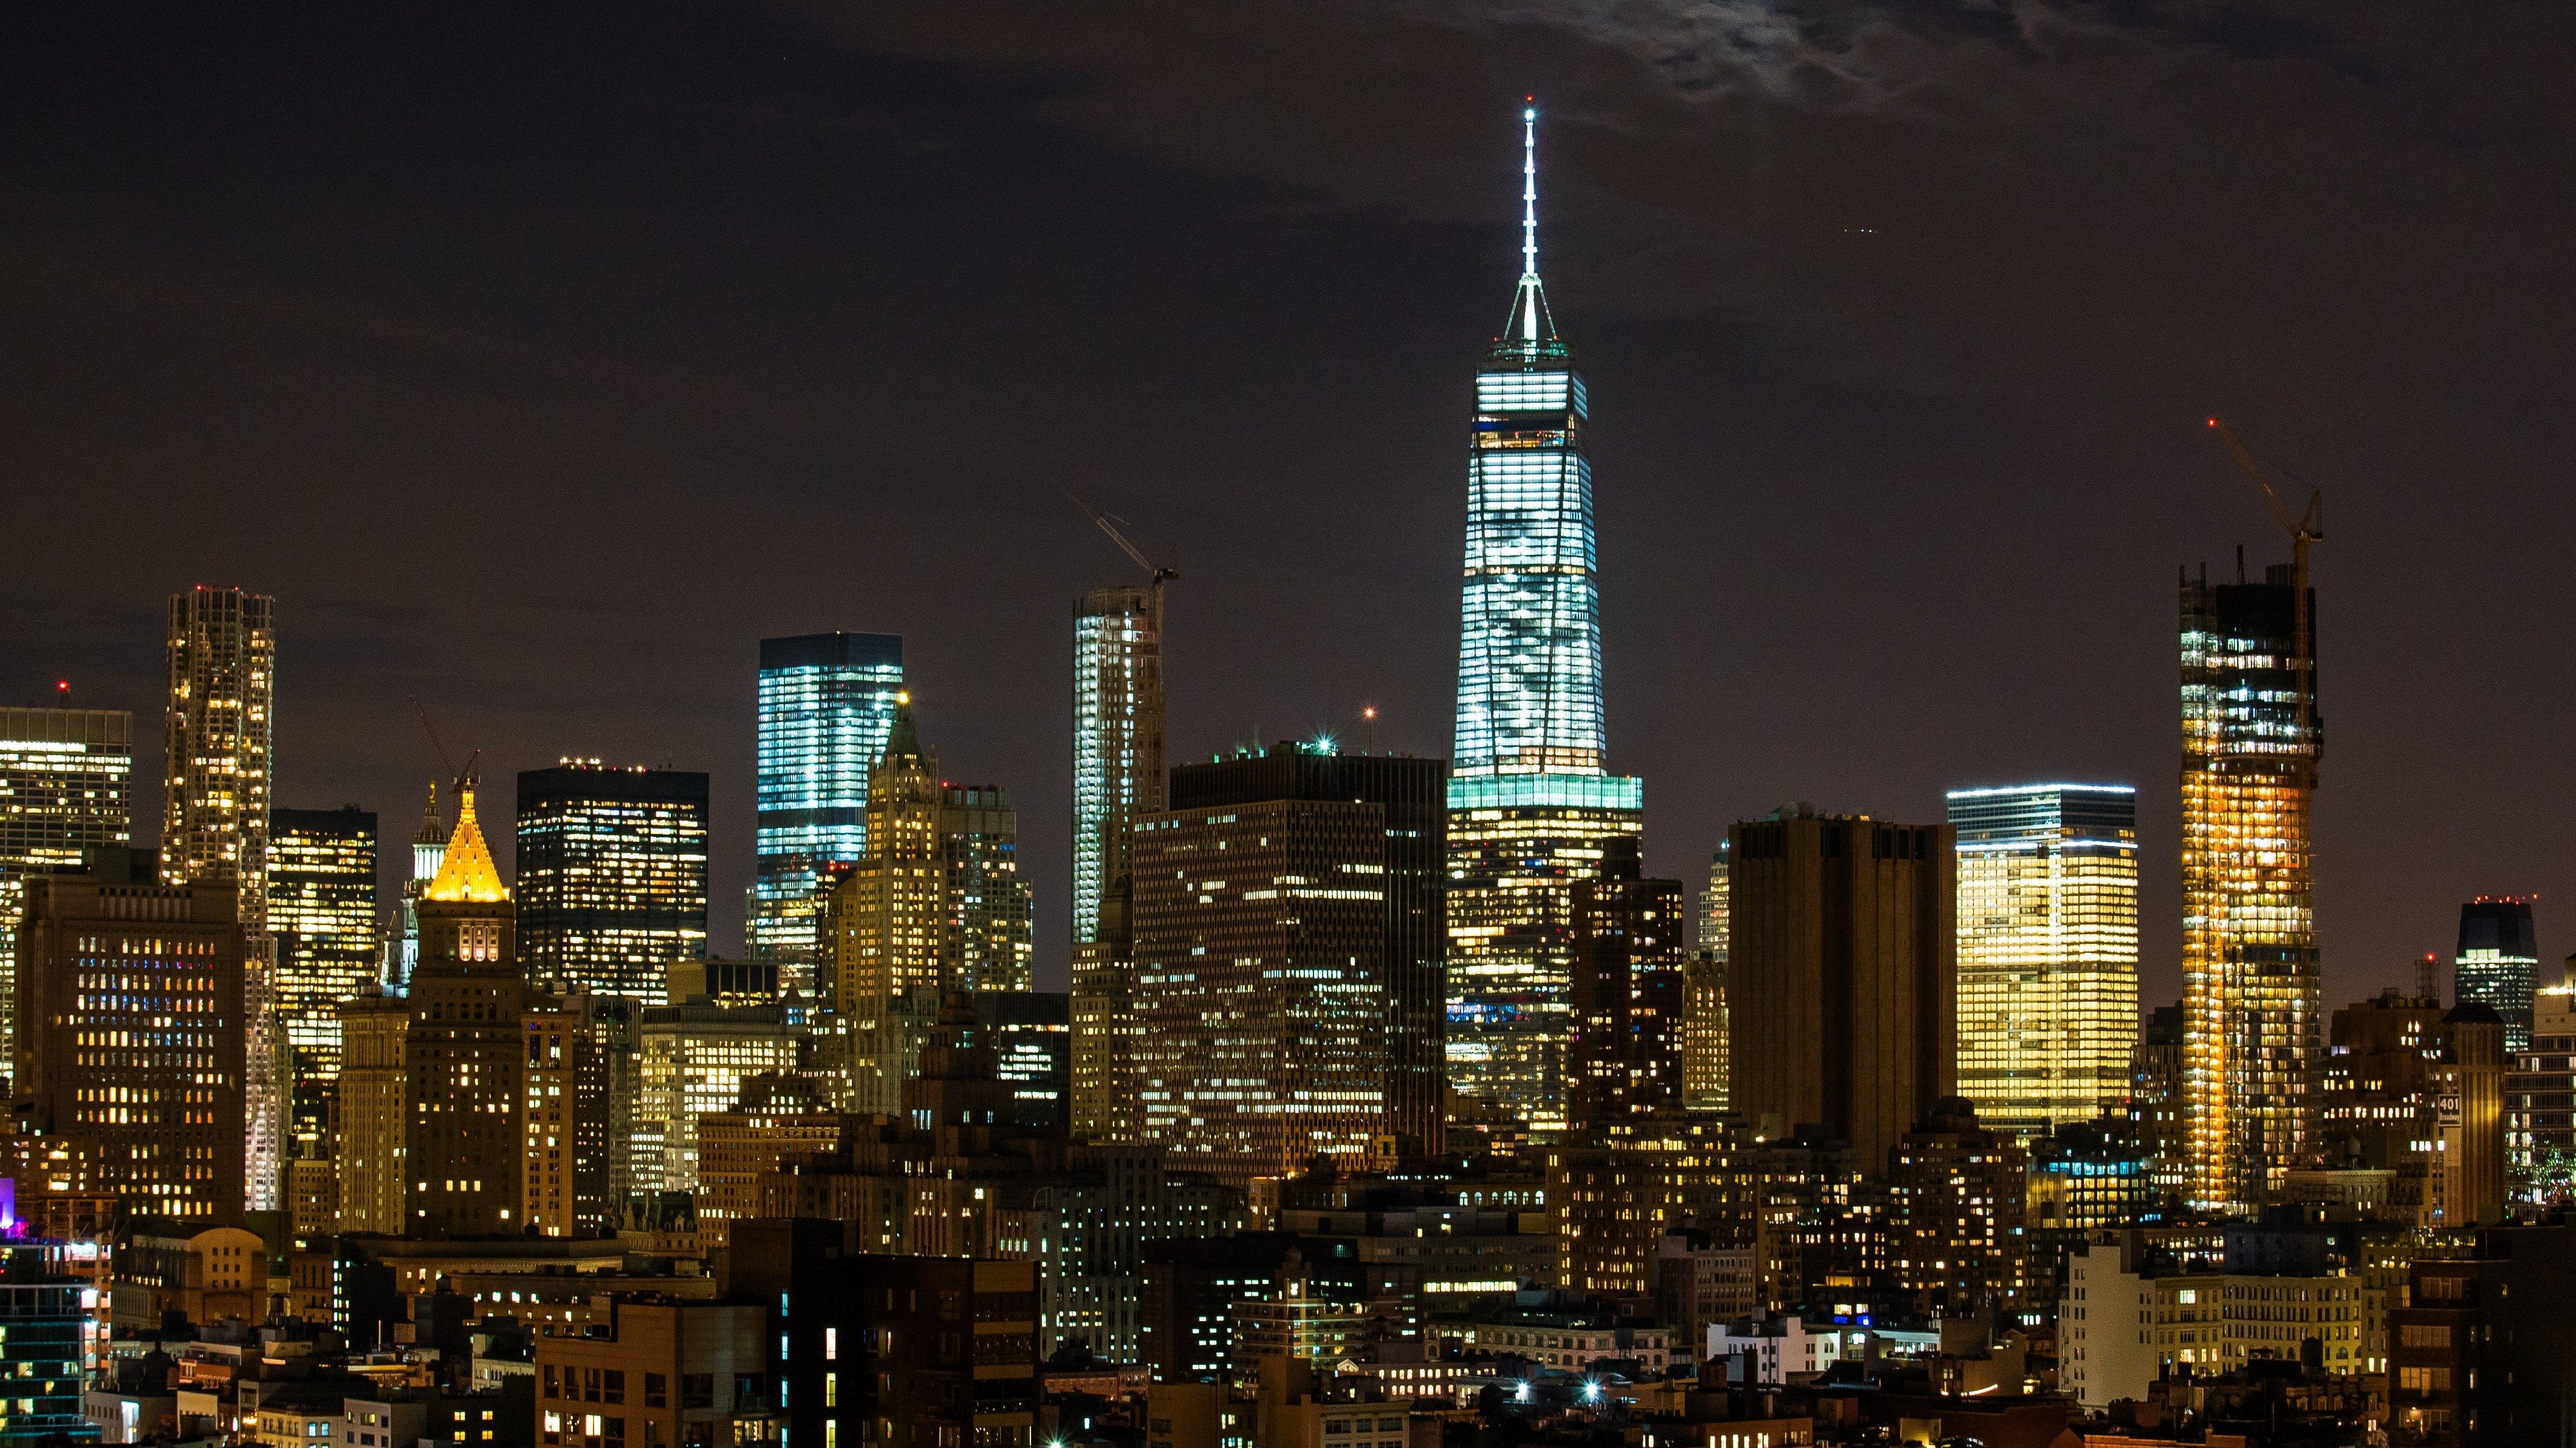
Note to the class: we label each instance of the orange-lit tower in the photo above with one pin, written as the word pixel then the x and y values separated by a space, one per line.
pixel 2251 738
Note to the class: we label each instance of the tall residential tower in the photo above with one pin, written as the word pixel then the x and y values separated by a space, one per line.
pixel 1532 804
pixel 2251 985
pixel 2048 950
pixel 826 702
pixel 214 822
pixel 1117 778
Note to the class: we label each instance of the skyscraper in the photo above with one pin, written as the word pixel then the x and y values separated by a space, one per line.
pixel 157 1110
pixel 612 875
pixel 1287 959
pixel 64 787
pixel 936 903
pixel 1117 778
pixel 1704 1043
pixel 322 913
pixel 1532 804
pixel 214 821
pixel 1117 744
pixel 2251 738
pixel 2498 964
pixel 2048 950
pixel 826 702
pixel 463 1140
pixel 1842 977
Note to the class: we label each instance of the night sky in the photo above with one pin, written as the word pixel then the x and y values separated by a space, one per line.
pixel 540 359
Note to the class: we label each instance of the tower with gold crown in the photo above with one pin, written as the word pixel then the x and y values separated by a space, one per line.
pixel 464 1139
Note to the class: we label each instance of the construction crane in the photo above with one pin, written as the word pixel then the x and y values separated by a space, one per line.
pixel 2307 528
pixel 461 778
pixel 1161 576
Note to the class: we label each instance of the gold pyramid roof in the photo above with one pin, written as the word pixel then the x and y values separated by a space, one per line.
pixel 467 872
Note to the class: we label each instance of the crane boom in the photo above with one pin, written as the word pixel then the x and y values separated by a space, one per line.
pixel 2307 526
pixel 2304 530
pixel 444 762
pixel 1161 575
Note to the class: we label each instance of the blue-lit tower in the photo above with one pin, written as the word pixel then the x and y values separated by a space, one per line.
pixel 1532 803
pixel 827 702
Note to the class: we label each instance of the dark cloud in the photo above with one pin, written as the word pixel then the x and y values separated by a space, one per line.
pixel 540 358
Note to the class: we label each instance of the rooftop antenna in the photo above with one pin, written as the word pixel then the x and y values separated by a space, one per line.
pixel 1529 186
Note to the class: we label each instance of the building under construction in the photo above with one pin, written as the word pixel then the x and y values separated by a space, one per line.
pixel 2252 995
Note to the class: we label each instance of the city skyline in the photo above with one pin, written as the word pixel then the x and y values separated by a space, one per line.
pixel 1285 1019
pixel 1706 635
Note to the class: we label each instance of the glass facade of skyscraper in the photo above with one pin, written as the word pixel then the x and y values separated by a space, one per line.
pixel 2498 963
pixel 1532 804
pixel 826 702
pixel 2252 989
pixel 1117 738
pixel 2048 950
pixel 612 876
pixel 322 913
pixel 65 786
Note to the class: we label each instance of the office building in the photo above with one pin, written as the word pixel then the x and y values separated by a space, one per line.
pixel 1625 1052
pixel 2498 963
pixel 612 875
pixel 2540 1101
pixel 371 1152
pixel 65 786
pixel 465 1132
pixel 694 1059
pixel 156 1114
pixel 827 702
pixel 1842 976
pixel 2251 982
pixel 1532 804
pixel 428 847
pixel 1288 973
pixel 322 916
pixel 216 789
pixel 2048 950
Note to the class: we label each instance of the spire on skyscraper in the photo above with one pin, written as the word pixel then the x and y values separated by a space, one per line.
pixel 1529 328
